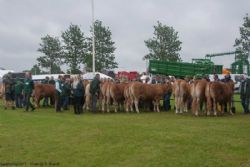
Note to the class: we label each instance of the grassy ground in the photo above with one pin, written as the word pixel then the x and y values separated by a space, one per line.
pixel 46 138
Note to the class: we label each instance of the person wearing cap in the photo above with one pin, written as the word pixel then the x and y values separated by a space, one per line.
pixel 27 91
pixel 95 90
pixel 245 93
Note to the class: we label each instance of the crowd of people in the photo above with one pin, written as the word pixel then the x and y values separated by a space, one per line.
pixel 71 91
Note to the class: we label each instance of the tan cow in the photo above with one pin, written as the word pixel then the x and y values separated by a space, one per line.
pixel 128 99
pixel 155 92
pixel 198 95
pixel 43 90
pixel 105 94
pixel 219 93
pixel 182 95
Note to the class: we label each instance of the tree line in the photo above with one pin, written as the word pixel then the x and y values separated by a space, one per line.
pixel 74 49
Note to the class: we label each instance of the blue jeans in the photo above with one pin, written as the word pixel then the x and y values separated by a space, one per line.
pixel 167 101
pixel 65 102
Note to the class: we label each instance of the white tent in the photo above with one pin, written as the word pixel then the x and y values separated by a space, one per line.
pixel 43 76
pixel 91 75
pixel 3 72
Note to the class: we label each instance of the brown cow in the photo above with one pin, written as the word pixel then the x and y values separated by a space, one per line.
pixel 219 93
pixel 154 92
pixel 43 90
pixel 182 95
pixel 1 90
pixel 198 95
pixel 117 94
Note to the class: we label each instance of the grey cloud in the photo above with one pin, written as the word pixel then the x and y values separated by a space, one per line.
pixel 206 26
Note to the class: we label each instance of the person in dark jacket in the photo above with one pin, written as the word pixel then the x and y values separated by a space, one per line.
pixel 27 91
pixel 46 99
pixel 78 93
pixel 245 93
pixel 66 90
pixel 18 93
pixel 94 91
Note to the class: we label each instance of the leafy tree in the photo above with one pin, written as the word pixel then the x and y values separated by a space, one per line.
pixel 165 44
pixel 52 49
pixel 35 70
pixel 242 44
pixel 74 48
pixel 104 48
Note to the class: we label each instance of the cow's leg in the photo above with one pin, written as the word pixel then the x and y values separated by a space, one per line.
pixel 136 101
pixel 209 106
pixel 215 107
pixel 116 105
pixel 103 104
pixel 154 104
pixel 197 106
pixel 108 103
pixel 176 105
pixel 230 107
pixel 181 105
pixel 131 102
pixel 157 105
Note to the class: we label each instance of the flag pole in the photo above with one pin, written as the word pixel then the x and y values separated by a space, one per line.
pixel 93 38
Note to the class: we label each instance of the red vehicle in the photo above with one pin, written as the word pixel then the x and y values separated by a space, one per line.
pixel 132 75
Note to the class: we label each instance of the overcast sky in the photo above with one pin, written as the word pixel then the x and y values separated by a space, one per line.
pixel 204 26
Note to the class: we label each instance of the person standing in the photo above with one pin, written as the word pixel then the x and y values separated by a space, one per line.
pixel 18 93
pixel 245 93
pixel 58 85
pixel 27 91
pixel 78 93
pixel 94 91
pixel 66 89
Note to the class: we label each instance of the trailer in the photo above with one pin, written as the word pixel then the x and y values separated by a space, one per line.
pixel 182 69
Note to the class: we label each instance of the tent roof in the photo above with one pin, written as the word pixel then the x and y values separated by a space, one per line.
pixel 91 75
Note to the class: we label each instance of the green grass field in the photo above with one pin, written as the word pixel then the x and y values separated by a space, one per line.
pixel 46 138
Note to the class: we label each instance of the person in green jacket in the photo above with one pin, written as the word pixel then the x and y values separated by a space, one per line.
pixel 245 93
pixel 27 91
pixel 18 93
pixel 95 90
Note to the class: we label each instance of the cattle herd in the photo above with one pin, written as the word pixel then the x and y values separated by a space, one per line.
pixel 197 96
